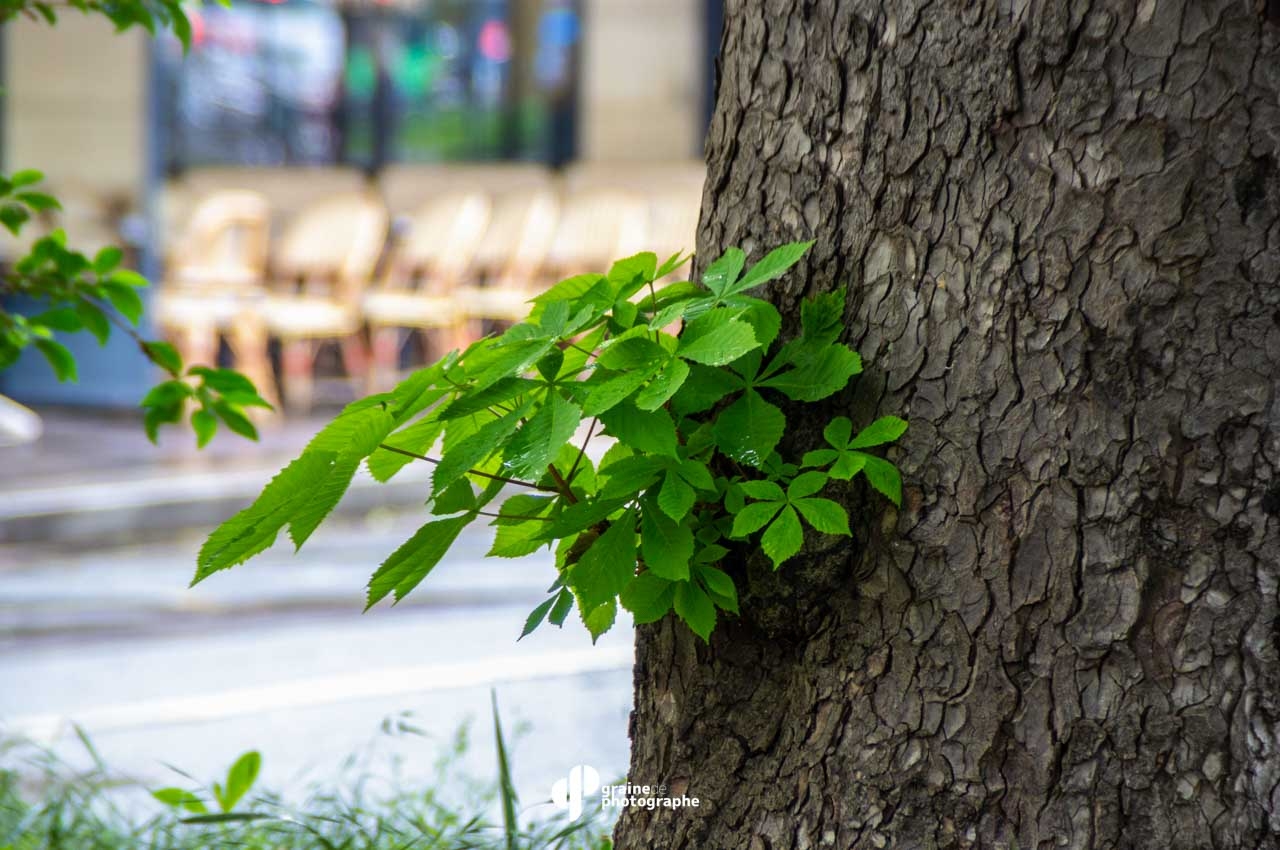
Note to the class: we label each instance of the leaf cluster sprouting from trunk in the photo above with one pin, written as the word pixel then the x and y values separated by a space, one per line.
pixel 693 468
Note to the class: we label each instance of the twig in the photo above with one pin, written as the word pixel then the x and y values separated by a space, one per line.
pixel 482 474
pixel 562 485
pixel 573 470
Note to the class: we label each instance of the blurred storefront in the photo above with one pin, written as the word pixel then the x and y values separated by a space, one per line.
pixel 315 90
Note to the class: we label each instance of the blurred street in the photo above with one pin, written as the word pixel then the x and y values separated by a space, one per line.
pixel 99 629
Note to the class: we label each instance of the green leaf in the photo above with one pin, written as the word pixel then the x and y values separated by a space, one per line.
pixel 418 438
pixel 106 260
pixel 498 393
pixel 608 564
pixel 13 217
pixel 179 798
pixel 457 497
pixel 39 201
pixel 806 484
pixel 25 177
pixel 827 373
pixel 749 429
pixel 228 382
pixel 632 353
pixel 753 517
pixel 838 431
pixel 516 541
pixel 607 394
pixel 564 604
pixel 774 265
pixel 704 389
pixel 715 338
pixel 507 360
pixel 581 516
pixel 648 597
pixel 883 476
pixel 824 515
pixel 549 366
pixel 536 616
pixel 672 263
pixel 886 429
pixel 721 275
pixel 676 497
pixel 719 586
pixel 601 618
pixel 490 439
pixel 539 439
pixel 167 393
pixel 165 356
pixel 666 545
pixel 625 477
pixel 94 321
pixel 128 277
pixel 663 386
pixel 60 358
pixel 697 474
pixel 847 465
pixel 633 272
pixel 762 490
pixel 62 319
pixel 205 424
pixel 236 421
pixel 572 289
pixel 411 563
pixel 763 317
pixel 181 26
pixel 783 538
pixel 254 529
pixel 696 609
pixel 157 416
pixel 240 779
pixel 643 430
pixel 822 318
pixel 125 299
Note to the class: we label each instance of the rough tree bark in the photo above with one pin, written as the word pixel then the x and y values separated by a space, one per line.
pixel 1060 224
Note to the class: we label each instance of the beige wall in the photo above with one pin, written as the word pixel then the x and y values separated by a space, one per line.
pixel 75 103
pixel 641 80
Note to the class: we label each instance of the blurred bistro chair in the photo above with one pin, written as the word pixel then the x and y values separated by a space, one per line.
pixel 418 288
pixel 214 282
pixel 320 270
pixel 673 224
pixel 506 268
pixel 596 227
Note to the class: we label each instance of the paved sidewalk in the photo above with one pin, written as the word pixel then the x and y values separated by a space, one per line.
pixel 98 535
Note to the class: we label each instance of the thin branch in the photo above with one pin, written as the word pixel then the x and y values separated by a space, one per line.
pixel 562 485
pixel 573 470
pixel 514 516
pixel 482 474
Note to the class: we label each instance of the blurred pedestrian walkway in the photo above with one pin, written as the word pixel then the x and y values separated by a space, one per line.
pixel 98 535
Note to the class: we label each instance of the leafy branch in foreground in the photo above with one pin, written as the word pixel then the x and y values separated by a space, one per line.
pixel 77 293
pixel 694 467
pixel 151 15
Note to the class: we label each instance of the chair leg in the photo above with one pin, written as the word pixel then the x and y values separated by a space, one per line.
pixel 355 359
pixel 298 378
pixel 198 344
pixel 247 339
pixel 385 364
pixel 461 334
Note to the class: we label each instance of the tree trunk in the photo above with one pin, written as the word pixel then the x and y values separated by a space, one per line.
pixel 1060 226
